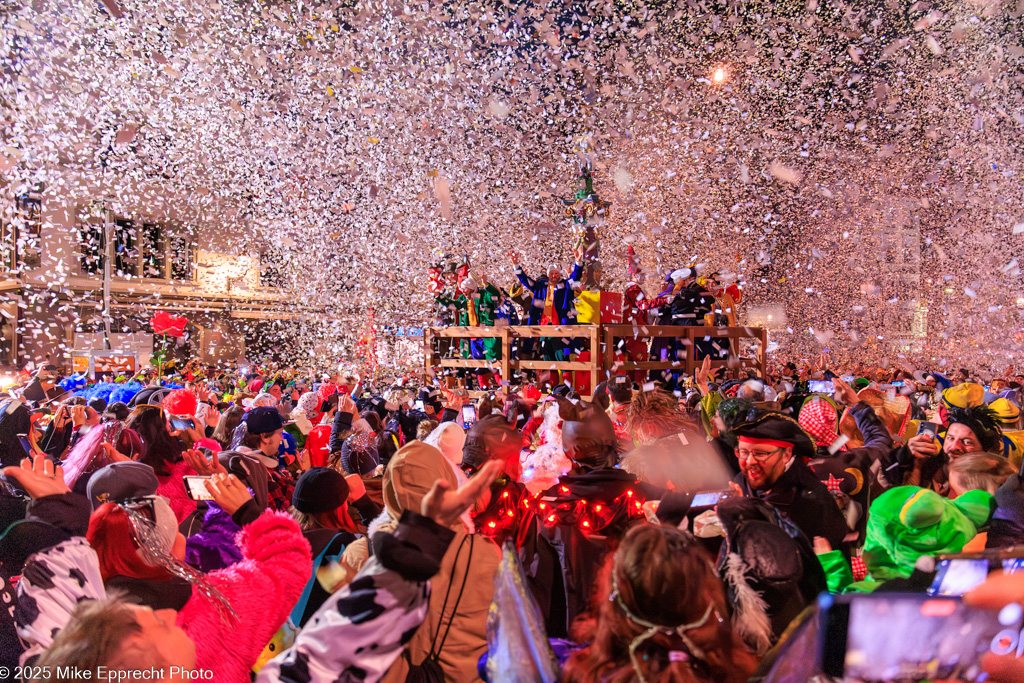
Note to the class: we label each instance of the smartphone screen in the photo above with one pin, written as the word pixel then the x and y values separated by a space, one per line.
pixel 418 405
pixel 182 423
pixel 897 384
pixel 708 498
pixel 957 576
pixel 821 387
pixel 468 415
pixel 195 487
pixel 907 637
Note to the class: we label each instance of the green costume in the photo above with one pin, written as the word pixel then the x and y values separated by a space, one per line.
pixel 484 302
pixel 905 523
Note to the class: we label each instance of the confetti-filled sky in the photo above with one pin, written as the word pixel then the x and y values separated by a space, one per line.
pixel 851 163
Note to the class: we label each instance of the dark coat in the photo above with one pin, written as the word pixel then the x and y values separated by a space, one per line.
pixel 850 470
pixel 804 500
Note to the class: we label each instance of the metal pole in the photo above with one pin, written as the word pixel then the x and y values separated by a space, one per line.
pixel 108 234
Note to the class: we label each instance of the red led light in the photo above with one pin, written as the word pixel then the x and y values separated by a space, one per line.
pixel 629 493
pixel 491 524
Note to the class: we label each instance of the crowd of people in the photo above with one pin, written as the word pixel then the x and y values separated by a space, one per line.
pixel 688 296
pixel 280 524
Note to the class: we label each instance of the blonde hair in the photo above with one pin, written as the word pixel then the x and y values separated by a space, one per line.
pixel 101 633
pixel 981 471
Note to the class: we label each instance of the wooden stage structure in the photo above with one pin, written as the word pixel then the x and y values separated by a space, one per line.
pixel 747 348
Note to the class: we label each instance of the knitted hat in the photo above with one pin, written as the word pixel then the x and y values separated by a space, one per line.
pixel 320 489
pixel 907 522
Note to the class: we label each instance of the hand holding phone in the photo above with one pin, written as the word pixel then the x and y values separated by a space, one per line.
pixel 468 415
pixel 894 636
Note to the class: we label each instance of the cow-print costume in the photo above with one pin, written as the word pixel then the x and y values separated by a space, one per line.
pixel 52 584
pixel 362 629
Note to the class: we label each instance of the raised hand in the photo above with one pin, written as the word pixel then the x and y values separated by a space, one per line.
pixel 203 465
pixel 228 492
pixel 39 477
pixel 445 506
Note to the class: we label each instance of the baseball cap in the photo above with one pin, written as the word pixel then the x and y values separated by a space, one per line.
pixel 263 420
pixel 121 481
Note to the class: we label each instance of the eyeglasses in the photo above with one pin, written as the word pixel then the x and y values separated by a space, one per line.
pixel 757 456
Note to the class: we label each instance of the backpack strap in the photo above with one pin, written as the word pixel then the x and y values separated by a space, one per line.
pixel 435 647
pixel 300 606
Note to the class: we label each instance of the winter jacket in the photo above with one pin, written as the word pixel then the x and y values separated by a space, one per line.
pixel 564 300
pixel 849 471
pixel 801 497
pixel 466 579
pixel 213 547
pixel 262 589
pixel 57 567
pixel 361 629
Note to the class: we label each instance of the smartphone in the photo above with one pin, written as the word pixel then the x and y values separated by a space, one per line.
pixel 710 498
pixel 957 576
pixel 195 487
pixel 418 405
pixel 958 573
pixel 182 423
pixel 821 387
pixel 905 637
pixel 929 428
pixel 898 385
pixel 468 415
pixel 23 438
